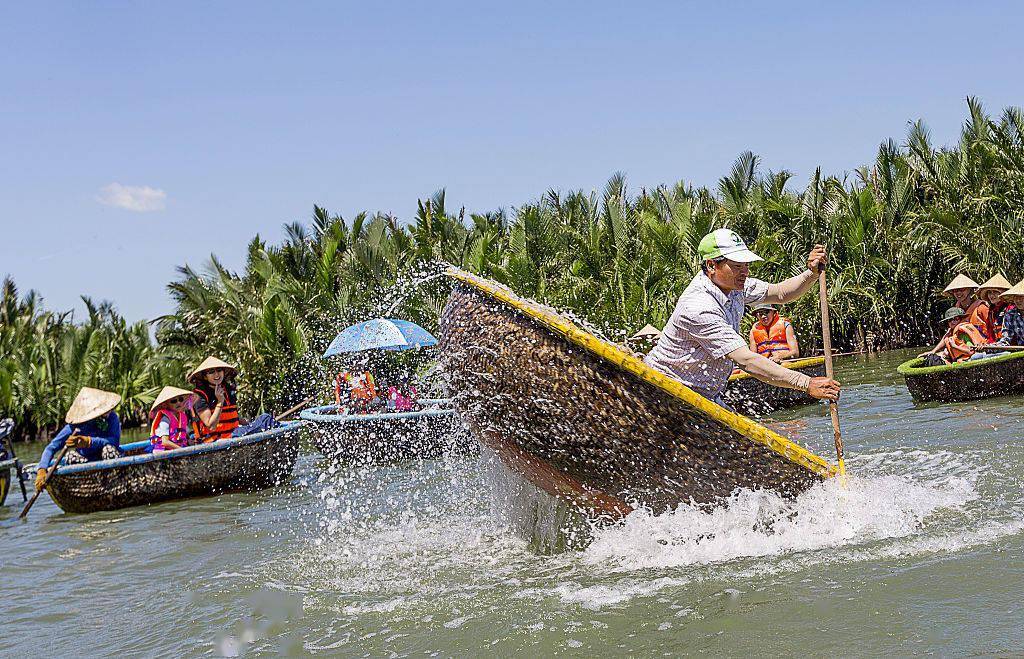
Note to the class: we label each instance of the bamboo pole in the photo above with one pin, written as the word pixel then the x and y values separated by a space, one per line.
pixel 46 479
pixel 826 338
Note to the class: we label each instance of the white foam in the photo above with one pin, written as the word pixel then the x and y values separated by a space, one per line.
pixel 762 523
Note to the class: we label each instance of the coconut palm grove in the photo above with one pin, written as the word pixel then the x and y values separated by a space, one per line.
pixel 897 230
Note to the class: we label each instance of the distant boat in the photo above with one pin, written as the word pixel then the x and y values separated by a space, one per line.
pixel 1000 375
pixel 748 395
pixel 251 462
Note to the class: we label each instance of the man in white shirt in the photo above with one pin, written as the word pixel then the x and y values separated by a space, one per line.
pixel 701 342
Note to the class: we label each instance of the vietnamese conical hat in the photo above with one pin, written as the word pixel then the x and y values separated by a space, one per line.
pixel 1017 289
pixel 997 282
pixel 91 404
pixel 960 281
pixel 209 363
pixel 168 393
pixel 648 332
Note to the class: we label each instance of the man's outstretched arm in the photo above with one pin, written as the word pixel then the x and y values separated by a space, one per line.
pixel 794 288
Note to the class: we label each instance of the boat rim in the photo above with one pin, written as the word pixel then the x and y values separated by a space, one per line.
pixel 746 427
pixel 909 367
pixel 318 413
pixel 174 454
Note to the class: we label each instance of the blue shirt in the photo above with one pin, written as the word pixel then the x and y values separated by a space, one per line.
pixel 103 431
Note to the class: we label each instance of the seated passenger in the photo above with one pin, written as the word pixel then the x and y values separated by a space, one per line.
pixel 93 431
pixel 216 404
pixel 990 293
pixel 361 389
pixel 772 335
pixel 171 419
pixel 402 397
pixel 963 289
pixel 1013 318
pixel 958 343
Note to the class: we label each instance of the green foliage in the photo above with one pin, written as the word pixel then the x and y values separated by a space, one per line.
pixel 897 232
pixel 47 358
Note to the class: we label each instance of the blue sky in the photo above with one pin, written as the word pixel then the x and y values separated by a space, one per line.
pixel 138 137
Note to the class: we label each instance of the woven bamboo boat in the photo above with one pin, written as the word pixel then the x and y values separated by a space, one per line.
pixel 251 462
pixel 388 436
pixel 748 395
pixel 1000 375
pixel 592 425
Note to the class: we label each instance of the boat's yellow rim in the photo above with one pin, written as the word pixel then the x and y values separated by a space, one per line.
pixel 741 424
pixel 795 364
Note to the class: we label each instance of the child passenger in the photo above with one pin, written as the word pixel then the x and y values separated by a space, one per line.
pixel 171 419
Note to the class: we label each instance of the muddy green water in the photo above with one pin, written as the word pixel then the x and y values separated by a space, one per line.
pixel 921 553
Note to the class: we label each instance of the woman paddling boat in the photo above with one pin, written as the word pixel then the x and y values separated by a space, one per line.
pixel 93 432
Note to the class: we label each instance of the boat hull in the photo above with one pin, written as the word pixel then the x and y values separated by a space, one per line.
pixel 748 395
pixel 252 462
pixel 388 437
pixel 591 424
pixel 1001 375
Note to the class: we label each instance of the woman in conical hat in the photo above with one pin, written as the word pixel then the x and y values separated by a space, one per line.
pixel 171 419
pixel 93 430
pixel 216 404
pixel 963 289
pixel 990 293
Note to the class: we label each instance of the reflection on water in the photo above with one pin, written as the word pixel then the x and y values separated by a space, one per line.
pixel 918 553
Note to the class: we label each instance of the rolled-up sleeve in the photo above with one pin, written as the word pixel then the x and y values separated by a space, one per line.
pixel 712 332
pixel 754 291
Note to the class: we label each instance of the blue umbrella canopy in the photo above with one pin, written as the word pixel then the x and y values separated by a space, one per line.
pixel 380 334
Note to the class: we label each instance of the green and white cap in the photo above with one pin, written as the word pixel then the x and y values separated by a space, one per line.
pixel 727 243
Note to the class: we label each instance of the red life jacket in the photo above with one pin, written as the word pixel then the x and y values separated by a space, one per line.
pixel 773 339
pixel 177 428
pixel 227 422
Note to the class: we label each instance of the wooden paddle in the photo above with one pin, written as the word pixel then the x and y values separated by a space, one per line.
pixel 995 348
pixel 826 338
pixel 292 410
pixel 46 479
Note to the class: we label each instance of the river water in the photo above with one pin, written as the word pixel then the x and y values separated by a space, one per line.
pixel 920 552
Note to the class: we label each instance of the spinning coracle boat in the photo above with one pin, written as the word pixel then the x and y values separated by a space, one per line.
pixel 970 380
pixel 251 462
pixel 585 421
pixel 748 395
pixel 388 436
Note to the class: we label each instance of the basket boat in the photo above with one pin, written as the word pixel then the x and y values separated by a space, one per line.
pixel 748 395
pixel 388 436
pixel 592 425
pixel 970 380
pixel 251 462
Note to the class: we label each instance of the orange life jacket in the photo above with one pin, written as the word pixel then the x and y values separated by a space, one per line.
pixel 361 386
pixel 770 340
pixel 227 422
pixel 961 341
pixel 977 315
pixel 995 321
